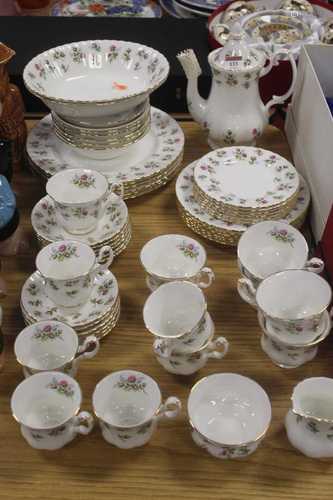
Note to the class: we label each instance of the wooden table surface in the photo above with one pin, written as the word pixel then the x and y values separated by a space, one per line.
pixel 171 465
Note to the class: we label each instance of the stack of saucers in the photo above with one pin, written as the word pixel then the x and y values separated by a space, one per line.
pixel 280 281
pixel 72 286
pixel 79 203
pixel 98 92
pixel 217 229
pixel 176 315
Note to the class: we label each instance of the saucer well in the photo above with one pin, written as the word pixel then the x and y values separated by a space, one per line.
pixel 38 306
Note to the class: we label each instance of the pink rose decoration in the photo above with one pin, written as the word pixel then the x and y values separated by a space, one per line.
pixel 62 248
pixel 47 328
pixel 84 177
pixel 63 383
pixel 131 378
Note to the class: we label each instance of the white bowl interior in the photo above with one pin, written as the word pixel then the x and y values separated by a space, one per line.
pixel 173 256
pixel 174 309
pixel 126 398
pixel 271 246
pixel 77 186
pixel 229 409
pixel 293 294
pixel 314 397
pixel 46 345
pixel 65 259
pixel 95 71
pixel 46 400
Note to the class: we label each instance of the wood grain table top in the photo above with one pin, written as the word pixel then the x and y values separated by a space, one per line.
pixel 171 465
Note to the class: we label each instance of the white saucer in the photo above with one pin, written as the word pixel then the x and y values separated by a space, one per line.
pixel 150 157
pixel 39 307
pixel 296 340
pixel 45 222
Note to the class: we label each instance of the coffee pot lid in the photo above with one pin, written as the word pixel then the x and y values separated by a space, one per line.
pixel 238 54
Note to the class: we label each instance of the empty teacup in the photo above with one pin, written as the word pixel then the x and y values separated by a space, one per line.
pixel 173 257
pixel 69 268
pixel 272 246
pixel 52 345
pixel 47 406
pixel 229 414
pixel 80 197
pixel 129 405
pixel 175 311
pixel 309 423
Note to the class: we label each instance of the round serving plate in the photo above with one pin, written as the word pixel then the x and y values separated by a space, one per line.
pixel 169 8
pixel 101 8
pixel 218 230
pixel 207 5
pixel 189 9
pixel 245 184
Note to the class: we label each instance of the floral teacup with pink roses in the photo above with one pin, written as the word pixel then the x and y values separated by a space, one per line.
pixel 68 269
pixel 269 247
pixel 173 257
pixel 80 198
pixel 129 405
pixel 52 345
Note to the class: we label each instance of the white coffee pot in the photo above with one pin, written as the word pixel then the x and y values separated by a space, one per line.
pixel 234 113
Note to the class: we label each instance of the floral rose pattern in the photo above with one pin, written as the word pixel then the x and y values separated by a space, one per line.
pixel 63 252
pixel 131 383
pixel 84 180
pixel 282 235
pixel 62 387
pixel 48 332
pixel 189 250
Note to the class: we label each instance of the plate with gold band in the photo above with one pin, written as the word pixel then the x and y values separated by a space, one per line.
pixel 141 167
pixel 218 230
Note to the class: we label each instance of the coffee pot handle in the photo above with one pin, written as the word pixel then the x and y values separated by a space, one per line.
pixel 279 99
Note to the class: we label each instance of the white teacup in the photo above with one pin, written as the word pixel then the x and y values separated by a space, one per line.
pixel 80 197
pixel 129 405
pixel 173 257
pixel 309 423
pixel 52 346
pixel 47 406
pixel 68 269
pixel 175 312
pixel 272 246
pixel 229 414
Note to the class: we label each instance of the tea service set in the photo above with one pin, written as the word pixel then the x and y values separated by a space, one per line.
pixel 248 195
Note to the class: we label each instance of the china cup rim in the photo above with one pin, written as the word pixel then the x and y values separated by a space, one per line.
pixel 115 374
pixel 301 413
pixel 244 443
pixel 75 203
pixel 53 99
pixel 168 278
pixel 307 317
pixel 28 328
pixel 44 374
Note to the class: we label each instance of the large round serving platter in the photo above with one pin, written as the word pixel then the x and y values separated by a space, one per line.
pixel 101 8
pixel 146 165
pixel 218 230
pixel 245 184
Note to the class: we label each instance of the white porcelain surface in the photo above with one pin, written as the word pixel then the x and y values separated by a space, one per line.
pixel 52 345
pixel 80 197
pixel 175 310
pixel 46 405
pixel 272 246
pixel 45 222
pixel 175 257
pixel 39 307
pixel 91 83
pixel 68 269
pixel 128 405
pixel 184 193
pixel 235 90
pixel 309 423
pixel 228 409
pixel 151 155
pixel 286 356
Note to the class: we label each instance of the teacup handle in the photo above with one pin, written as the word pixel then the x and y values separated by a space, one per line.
pixel 208 273
pixel 247 291
pixel 83 423
pixel 83 352
pixel 116 188
pixel 219 343
pixel 104 259
pixel 315 265
pixel 170 408
pixel 162 348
